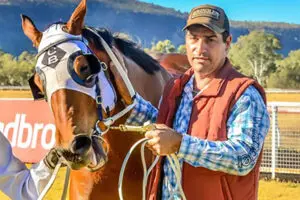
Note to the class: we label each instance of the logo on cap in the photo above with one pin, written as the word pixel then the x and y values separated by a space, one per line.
pixel 206 12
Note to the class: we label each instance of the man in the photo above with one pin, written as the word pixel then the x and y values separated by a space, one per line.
pixel 213 118
pixel 18 182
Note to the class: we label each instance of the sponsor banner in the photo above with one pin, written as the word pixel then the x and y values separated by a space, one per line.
pixel 29 126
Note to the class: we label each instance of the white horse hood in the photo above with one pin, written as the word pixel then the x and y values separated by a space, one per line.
pixel 55 49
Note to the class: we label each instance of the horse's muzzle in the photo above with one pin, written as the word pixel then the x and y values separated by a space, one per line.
pixel 86 152
pixel 100 155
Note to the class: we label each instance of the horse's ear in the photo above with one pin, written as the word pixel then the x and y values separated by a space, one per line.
pixel 31 31
pixel 76 21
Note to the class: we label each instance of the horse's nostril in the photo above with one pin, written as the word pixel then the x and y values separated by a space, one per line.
pixel 81 144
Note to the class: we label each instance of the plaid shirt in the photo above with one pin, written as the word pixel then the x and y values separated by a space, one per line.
pixel 247 127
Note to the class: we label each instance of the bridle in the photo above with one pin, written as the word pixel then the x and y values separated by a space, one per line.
pixel 110 120
pixel 92 80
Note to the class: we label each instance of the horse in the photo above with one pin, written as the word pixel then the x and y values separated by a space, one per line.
pixel 81 87
pixel 174 63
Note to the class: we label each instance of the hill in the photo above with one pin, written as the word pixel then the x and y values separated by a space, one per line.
pixel 147 23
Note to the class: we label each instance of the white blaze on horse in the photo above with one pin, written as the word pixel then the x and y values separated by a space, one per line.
pixel 82 88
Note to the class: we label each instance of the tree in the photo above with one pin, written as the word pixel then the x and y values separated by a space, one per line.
pixel 15 71
pixel 255 55
pixel 288 72
pixel 181 49
pixel 165 46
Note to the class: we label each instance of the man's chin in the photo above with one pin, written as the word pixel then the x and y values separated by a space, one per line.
pixel 203 71
pixel 199 67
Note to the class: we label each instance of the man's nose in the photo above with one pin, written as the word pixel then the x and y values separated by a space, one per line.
pixel 200 47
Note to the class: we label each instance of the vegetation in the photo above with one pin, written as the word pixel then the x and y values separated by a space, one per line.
pixel 255 55
pixel 15 71
pixel 288 72
pixel 132 5
pixel 165 46
pixel 257 25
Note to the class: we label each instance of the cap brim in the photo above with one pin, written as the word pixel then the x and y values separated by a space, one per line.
pixel 210 26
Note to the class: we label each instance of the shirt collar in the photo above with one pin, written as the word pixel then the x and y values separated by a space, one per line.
pixel 188 88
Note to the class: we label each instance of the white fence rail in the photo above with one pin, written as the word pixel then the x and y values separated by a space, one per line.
pixel 281 154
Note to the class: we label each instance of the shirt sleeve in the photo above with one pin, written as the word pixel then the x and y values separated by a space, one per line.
pixel 247 127
pixel 142 112
pixel 16 181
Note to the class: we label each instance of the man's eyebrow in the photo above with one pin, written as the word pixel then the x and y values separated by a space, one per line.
pixel 189 33
pixel 208 35
pixel 211 36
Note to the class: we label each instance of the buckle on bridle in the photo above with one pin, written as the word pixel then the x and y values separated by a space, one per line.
pixel 98 131
pixel 98 100
pixel 103 66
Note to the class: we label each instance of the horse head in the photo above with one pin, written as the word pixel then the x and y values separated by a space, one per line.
pixel 68 76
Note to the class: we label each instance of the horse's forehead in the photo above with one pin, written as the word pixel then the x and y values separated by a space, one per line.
pixel 55 33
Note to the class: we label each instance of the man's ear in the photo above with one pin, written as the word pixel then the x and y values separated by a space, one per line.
pixel 228 42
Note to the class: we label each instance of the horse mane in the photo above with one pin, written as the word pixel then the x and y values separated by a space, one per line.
pixel 129 48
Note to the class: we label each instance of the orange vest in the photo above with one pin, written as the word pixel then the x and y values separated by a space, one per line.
pixel 208 121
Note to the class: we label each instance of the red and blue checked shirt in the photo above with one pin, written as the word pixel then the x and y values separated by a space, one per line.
pixel 247 127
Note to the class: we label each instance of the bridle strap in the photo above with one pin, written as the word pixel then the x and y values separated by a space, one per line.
pixel 116 63
pixel 110 120
pixel 98 100
pixel 57 43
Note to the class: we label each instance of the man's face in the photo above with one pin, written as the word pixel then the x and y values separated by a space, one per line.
pixel 206 50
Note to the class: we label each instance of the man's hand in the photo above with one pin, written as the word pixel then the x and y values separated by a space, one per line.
pixel 163 140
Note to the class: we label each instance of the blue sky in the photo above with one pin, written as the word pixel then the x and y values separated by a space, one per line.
pixel 250 10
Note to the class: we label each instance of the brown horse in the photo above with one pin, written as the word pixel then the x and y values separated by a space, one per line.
pixel 174 63
pixel 67 75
